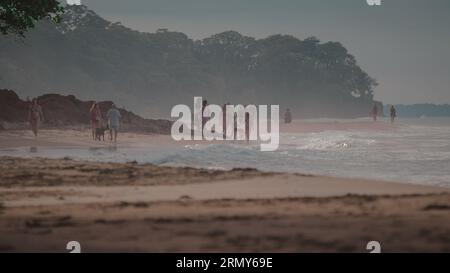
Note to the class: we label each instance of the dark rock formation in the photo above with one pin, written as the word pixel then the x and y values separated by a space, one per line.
pixel 63 111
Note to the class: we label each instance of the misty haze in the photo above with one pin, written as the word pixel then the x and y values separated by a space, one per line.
pixel 212 126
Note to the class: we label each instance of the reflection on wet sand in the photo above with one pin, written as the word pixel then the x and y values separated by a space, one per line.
pixel 112 148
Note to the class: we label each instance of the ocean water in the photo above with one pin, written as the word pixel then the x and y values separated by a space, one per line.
pixel 416 151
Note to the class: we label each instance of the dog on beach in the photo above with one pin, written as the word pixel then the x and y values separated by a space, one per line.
pixel 100 132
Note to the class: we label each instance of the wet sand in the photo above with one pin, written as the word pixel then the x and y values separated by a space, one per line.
pixel 83 138
pixel 74 138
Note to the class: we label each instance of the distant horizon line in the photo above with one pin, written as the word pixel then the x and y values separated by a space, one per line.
pixel 84 97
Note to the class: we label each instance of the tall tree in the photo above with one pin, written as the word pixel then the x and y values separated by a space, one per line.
pixel 17 16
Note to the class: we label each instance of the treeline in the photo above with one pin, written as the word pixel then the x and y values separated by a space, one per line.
pixel 91 57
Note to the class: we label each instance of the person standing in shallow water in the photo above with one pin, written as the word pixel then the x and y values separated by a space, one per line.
pixel 204 119
pixel 96 117
pixel 287 116
pixel 374 112
pixel 114 117
pixel 35 116
pixel 247 126
pixel 224 120
pixel 393 114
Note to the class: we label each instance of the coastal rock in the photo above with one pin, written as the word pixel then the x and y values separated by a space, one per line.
pixel 68 111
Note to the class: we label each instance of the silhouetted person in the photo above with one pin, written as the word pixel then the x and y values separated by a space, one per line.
pixel 393 114
pixel 224 120
pixel 247 126
pixel 114 117
pixel 287 116
pixel 374 112
pixel 204 119
pixel 35 116
pixel 96 117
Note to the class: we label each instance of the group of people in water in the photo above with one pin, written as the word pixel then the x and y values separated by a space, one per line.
pixel 374 113
pixel 98 123
pixel 225 124
pixel 392 112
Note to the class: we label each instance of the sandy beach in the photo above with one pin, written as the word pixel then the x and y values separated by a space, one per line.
pixel 130 207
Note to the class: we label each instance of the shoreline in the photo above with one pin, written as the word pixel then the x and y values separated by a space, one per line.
pixel 78 145
pixel 48 182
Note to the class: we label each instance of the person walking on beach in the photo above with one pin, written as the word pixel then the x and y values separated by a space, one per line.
pixel 393 114
pixel 247 126
pixel 96 118
pixel 35 116
pixel 204 119
pixel 224 120
pixel 288 116
pixel 114 117
pixel 374 112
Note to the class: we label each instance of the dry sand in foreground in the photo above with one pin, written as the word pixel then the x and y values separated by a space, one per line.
pixel 145 208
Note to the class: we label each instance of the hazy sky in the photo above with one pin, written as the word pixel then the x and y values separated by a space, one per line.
pixel 404 44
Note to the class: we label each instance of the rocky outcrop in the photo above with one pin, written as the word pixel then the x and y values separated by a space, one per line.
pixel 12 108
pixel 65 111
